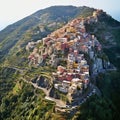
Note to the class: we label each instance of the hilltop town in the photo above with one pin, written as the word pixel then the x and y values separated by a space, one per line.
pixel 61 62
pixel 75 55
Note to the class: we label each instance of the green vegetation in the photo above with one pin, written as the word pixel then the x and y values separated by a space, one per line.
pixel 109 83
pixel 8 77
pixel 18 59
pixel 20 100
pixel 85 12
pixel 26 103
pixel 110 87
pixel 45 71
pixel 96 109
pixel 115 49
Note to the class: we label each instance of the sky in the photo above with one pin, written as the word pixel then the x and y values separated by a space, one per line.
pixel 14 10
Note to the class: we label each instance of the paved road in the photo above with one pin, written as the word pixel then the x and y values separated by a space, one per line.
pixel 80 100
pixel 77 101
pixel 58 102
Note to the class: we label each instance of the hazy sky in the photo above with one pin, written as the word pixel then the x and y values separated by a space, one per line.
pixel 14 10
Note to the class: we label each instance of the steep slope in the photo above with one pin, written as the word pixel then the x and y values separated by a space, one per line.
pixel 108 31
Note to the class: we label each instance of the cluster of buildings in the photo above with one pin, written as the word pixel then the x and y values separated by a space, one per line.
pixel 71 41
pixel 74 77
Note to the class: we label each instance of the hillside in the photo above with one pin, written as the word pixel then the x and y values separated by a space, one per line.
pixel 38 25
pixel 108 32
pixel 19 72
